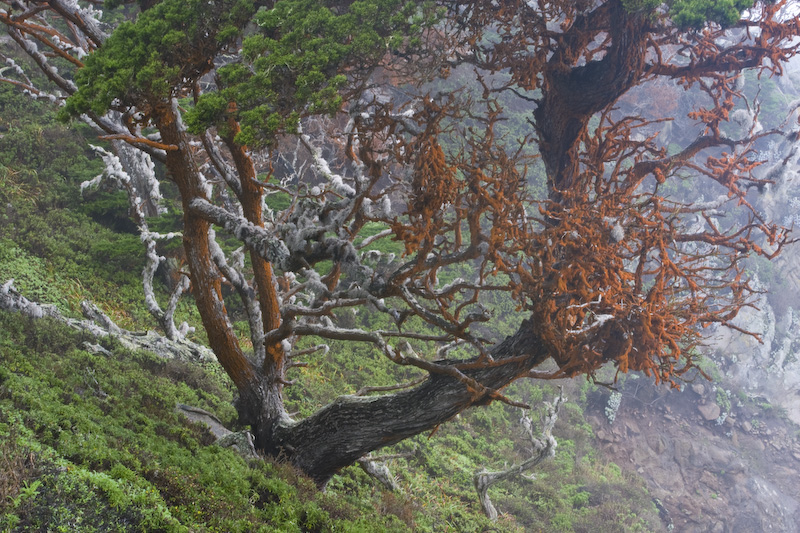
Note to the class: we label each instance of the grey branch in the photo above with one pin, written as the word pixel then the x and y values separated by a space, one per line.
pixel 544 447
pixel 255 237
pixel 379 471
pixel 100 325
pixel 133 172
pixel 246 293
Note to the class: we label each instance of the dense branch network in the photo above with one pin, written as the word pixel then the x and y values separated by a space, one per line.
pixel 319 134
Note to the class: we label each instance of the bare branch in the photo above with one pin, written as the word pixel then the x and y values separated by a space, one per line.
pixel 100 325
pixel 130 139
pixel 246 294
pixel 543 448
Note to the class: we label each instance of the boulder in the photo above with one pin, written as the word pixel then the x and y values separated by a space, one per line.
pixel 710 411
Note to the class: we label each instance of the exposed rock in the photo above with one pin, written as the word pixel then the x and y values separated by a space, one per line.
pixel 735 467
pixel 632 427
pixel 241 441
pixel 698 388
pixel 604 435
pixel 718 457
pixel 710 411
pixel 656 443
pixel 199 415
pixel 709 477
pixel 771 509
pixel 771 368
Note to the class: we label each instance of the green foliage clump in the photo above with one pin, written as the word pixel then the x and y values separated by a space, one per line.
pixel 30 275
pixel 693 14
pixel 696 13
pixel 58 245
pixel 576 490
pixel 292 66
pixel 60 256
pixel 150 59
pixel 641 6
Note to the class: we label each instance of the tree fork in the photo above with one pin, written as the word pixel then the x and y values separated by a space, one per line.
pixel 260 402
pixel 573 94
pixel 250 198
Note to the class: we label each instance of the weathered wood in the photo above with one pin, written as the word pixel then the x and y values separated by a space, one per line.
pixel 343 431
pixel 543 448
pixel 100 325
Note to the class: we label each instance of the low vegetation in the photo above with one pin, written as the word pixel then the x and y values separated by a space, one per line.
pixel 92 442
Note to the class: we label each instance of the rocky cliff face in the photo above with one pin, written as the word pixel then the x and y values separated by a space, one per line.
pixel 723 456
pixel 770 368
pixel 730 468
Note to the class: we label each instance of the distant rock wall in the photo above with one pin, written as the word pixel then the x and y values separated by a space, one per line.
pixel 737 474
pixel 770 368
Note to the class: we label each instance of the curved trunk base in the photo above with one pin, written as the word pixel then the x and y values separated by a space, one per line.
pixel 340 433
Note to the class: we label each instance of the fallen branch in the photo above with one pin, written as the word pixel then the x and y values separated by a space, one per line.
pixel 99 324
pixel 379 471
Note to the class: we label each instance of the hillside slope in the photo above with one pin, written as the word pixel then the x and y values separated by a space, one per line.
pixel 92 441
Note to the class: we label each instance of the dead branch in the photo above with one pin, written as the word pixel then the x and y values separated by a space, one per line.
pixel 543 447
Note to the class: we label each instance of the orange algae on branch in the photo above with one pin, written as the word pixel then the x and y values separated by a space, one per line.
pixel 608 270
pixel 638 296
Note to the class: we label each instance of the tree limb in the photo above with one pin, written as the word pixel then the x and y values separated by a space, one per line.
pixel 544 447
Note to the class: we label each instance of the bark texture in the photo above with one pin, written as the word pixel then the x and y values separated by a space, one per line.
pixel 338 434
pixel 573 94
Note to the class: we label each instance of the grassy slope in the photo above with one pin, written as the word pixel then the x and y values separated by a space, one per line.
pixel 92 442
